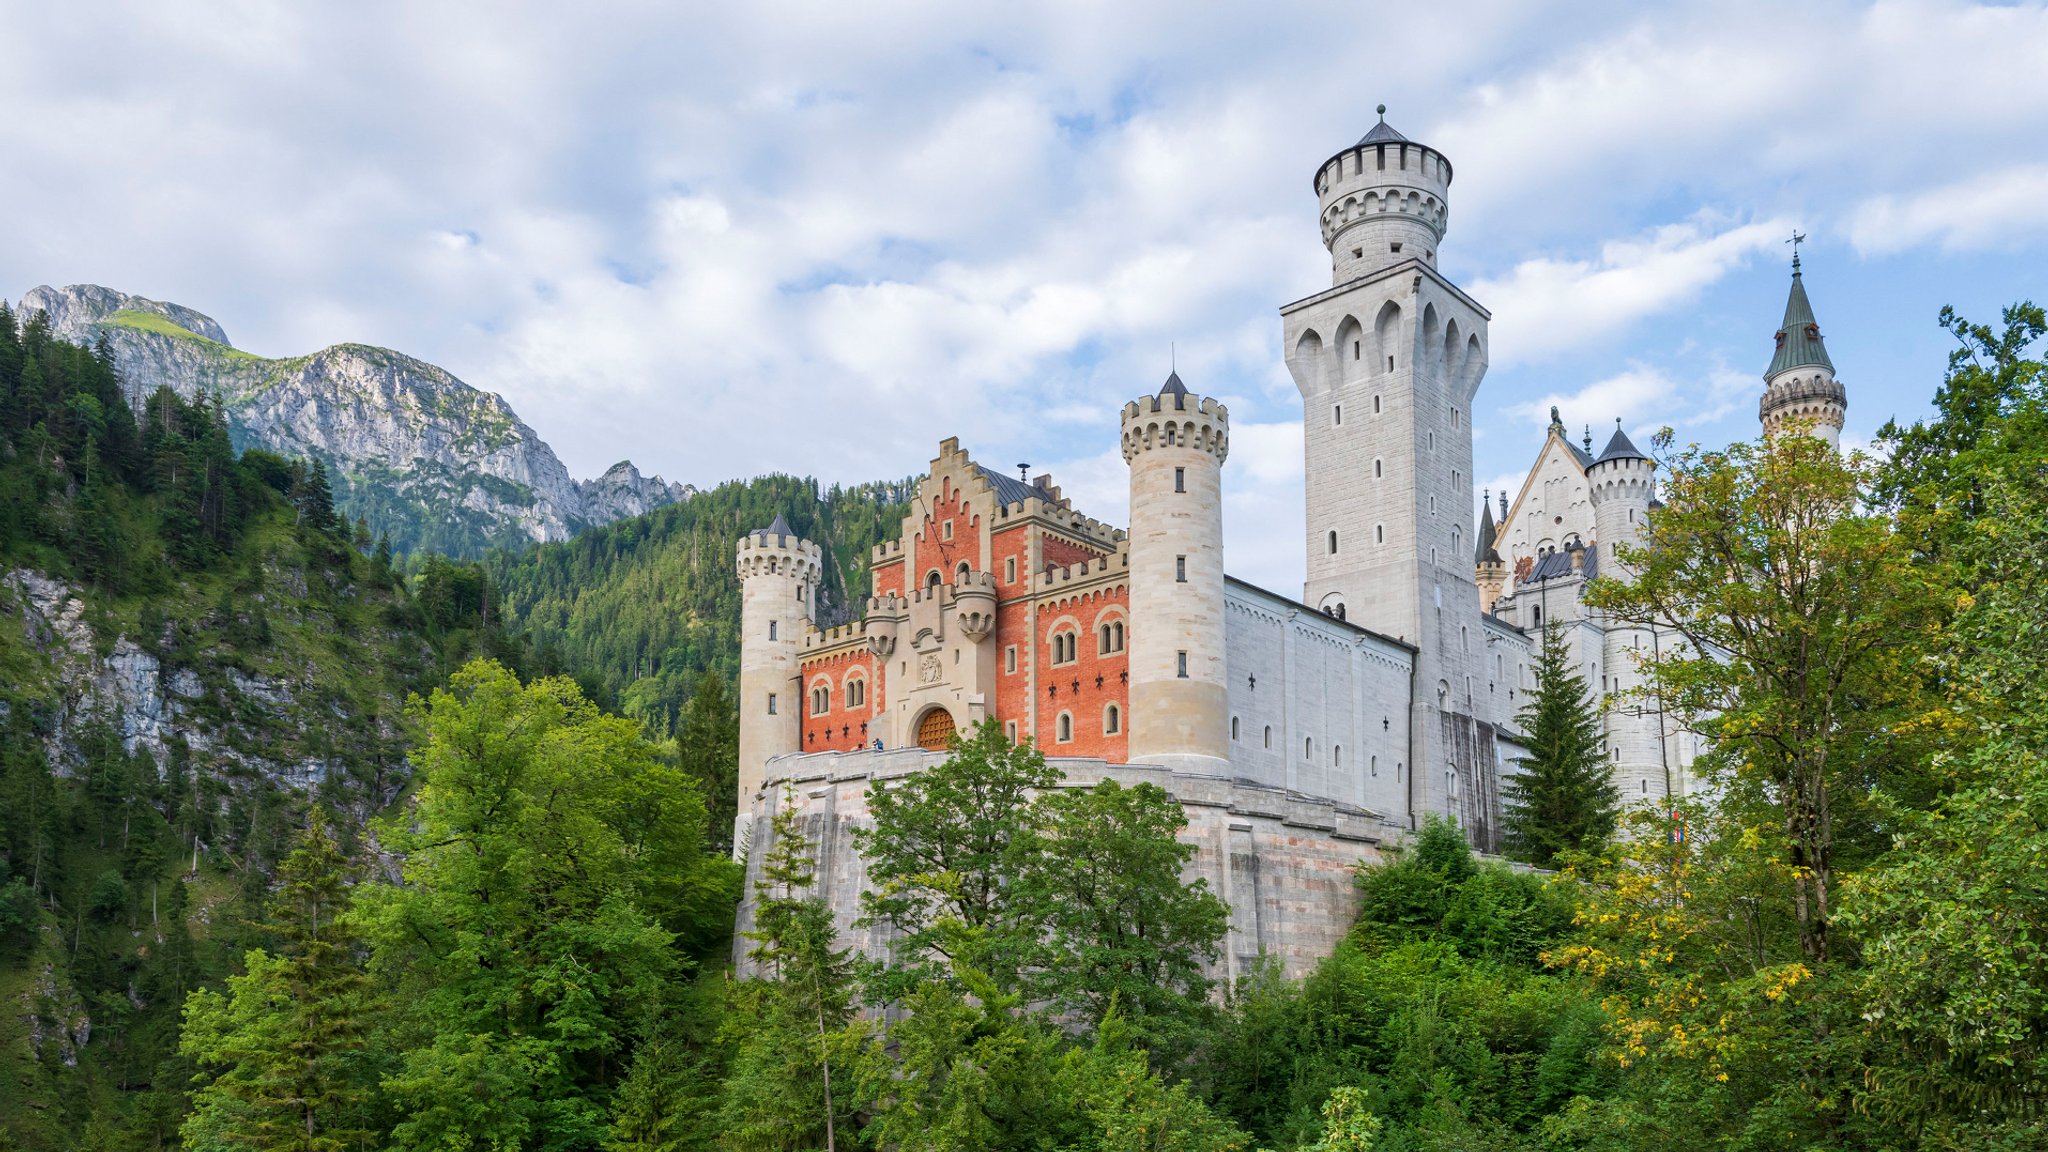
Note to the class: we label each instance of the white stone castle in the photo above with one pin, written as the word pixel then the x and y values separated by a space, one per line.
pixel 1300 734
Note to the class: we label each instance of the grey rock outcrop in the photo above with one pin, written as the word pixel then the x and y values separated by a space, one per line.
pixel 433 461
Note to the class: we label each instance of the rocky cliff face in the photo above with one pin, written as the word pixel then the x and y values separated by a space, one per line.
pixel 437 464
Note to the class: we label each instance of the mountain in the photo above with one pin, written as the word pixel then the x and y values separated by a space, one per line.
pixel 437 464
pixel 192 654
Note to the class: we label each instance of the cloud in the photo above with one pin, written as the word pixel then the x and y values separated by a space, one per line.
pixel 1545 306
pixel 1999 208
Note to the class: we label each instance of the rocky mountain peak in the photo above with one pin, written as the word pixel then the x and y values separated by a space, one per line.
pixel 413 450
pixel 75 308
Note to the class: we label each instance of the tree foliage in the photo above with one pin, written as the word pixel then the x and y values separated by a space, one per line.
pixel 1564 799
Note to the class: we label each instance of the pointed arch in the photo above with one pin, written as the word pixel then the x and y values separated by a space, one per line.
pixel 1351 350
pixel 1311 370
pixel 1386 330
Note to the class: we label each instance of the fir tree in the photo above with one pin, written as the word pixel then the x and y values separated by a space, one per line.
pixel 284 1043
pixel 1564 800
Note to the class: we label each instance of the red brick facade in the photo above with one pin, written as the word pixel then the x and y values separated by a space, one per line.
pixel 842 677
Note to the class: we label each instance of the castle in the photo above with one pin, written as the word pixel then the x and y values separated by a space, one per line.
pixel 1299 734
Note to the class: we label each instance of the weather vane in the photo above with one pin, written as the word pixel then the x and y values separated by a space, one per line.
pixel 1797 239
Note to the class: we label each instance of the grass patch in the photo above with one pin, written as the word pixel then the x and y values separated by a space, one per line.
pixel 140 321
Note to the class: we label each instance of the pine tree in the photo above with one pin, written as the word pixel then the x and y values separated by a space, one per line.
pixel 1564 799
pixel 707 746
pixel 284 1043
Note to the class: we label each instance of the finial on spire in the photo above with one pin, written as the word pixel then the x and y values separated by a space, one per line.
pixel 1383 113
pixel 1503 505
pixel 1024 472
pixel 1797 239
pixel 1589 437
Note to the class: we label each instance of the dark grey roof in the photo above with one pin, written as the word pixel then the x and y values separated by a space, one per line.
pixel 1620 448
pixel 1558 565
pixel 779 528
pixel 1488 554
pixel 1173 386
pixel 1383 133
pixel 1009 489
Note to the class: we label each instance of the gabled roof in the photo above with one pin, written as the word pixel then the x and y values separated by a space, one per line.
pixel 1009 489
pixel 1558 565
pixel 1799 344
pixel 1620 448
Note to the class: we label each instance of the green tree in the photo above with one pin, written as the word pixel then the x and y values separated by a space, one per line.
pixel 708 747
pixel 1119 928
pixel 281 1051
pixel 1564 799
pixel 798 1022
pixel 556 886
pixel 946 850
pixel 1803 622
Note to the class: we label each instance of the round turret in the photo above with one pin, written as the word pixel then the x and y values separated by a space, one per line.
pixel 1384 200
pixel 1620 484
pixel 1800 386
pixel 1175 443
pixel 779 574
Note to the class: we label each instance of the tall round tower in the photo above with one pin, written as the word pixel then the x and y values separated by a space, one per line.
pixel 1385 199
pixel 1800 385
pixel 778 586
pixel 1175 443
pixel 1620 484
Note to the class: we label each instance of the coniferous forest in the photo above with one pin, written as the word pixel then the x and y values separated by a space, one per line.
pixel 445 871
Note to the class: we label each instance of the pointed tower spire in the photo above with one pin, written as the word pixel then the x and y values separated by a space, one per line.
pixel 1800 384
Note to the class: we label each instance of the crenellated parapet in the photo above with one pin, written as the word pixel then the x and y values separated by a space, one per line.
pixel 1383 200
pixel 764 553
pixel 1176 419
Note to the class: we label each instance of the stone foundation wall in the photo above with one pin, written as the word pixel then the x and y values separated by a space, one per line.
pixel 1283 862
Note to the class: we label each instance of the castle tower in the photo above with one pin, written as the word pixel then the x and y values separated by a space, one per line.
pixel 1490 570
pixel 1800 384
pixel 778 588
pixel 1620 483
pixel 1387 361
pixel 1175 444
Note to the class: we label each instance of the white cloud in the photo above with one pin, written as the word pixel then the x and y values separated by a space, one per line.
pixel 1545 306
pixel 2001 207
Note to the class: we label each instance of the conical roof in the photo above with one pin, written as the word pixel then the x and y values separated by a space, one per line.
pixel 1173 386
pixel 1619 447
pixel 1382 133
pixel 1799 344
pixel 1487 553
pixel 779 528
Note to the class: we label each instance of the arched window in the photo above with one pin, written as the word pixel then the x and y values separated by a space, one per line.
pixel 1336 755
pixel 1112 720
pixel 1109 639
pixel 1063 728
pixel 1233 729
pixel 1379 534
pixel 821 700
pixel 1379 469
pixel 1333 542
pixel 1375 766
pixel 931 582
pixel 1066 646
pixel 1308 748
pixel 1269 735
pixel 856 691
pixel 960 574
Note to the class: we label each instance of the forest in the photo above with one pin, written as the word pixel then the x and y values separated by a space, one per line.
pixel 527 942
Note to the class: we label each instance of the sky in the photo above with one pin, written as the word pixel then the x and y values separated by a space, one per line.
pixel 723 240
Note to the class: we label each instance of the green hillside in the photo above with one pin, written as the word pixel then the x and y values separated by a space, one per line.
pixel 194 649
pixel 638 608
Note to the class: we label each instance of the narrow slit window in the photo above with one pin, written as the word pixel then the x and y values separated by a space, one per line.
pixel 1333 542
pixel 1339 415
pixel 1180 479
pixel 1180 569
pixel 1181 665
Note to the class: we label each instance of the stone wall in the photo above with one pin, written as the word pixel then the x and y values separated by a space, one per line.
pixel 1282 862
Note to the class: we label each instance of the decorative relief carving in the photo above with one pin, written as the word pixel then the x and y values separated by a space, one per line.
pixel 930 669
